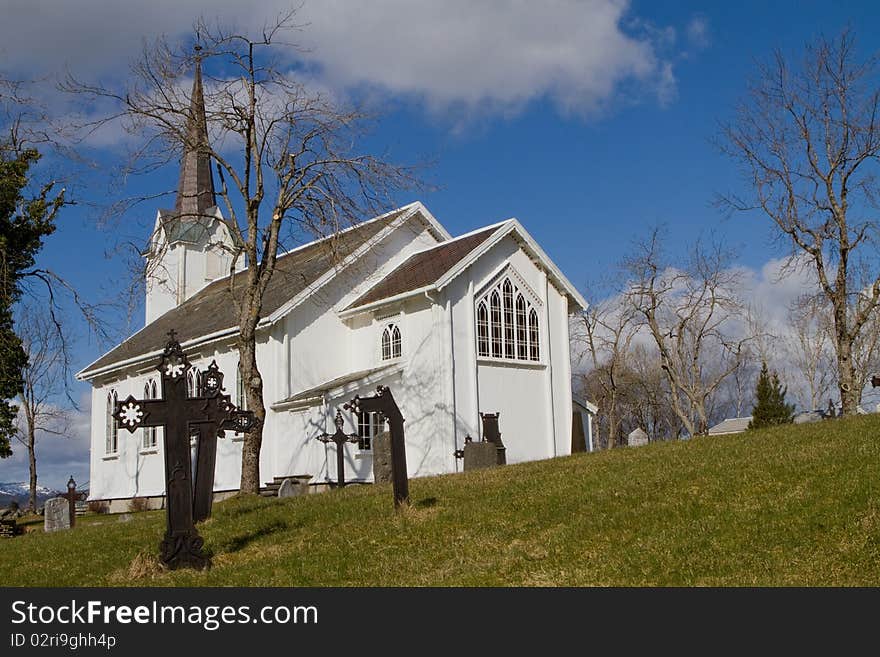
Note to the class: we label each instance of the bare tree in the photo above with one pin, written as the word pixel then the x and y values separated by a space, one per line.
pixel 609 329
pixel 287 158
pixel 691 313
pixel 42 404
pixel 810 350
pixel 808 139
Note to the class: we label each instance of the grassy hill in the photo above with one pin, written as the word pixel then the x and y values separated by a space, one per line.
pixel 789 506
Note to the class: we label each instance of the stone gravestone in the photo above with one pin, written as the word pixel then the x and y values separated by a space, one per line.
pixel 637 438
pixel 381 445
pixel 291 488
pixel 480 455
pixel 56 515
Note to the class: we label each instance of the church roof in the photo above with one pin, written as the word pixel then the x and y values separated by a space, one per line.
pixel 212 309
pixel 424 268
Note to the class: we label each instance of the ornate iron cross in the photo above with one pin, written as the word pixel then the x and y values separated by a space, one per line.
pixel 384 404
pixel 211 413
pixel 340 438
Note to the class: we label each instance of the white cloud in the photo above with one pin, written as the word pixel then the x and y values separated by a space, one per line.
pixel 698 32
pixel 479 56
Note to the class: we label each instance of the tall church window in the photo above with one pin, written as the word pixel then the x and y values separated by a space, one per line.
pixel 509 340
pixel 391 342
pixel 482 329
pixel 193 383
pixel 369 426
pixel 111 444
pixel 495 324
pixel 150 392
pixel 522 339
pixel 534 337
pixel 507 322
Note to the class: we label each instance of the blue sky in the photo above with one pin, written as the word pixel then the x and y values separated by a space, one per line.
pixel 590 122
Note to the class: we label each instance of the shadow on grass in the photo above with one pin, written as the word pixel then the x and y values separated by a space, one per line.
pixel 237 543
pixel 426 503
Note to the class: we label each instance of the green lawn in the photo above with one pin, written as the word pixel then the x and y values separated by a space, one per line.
pixel 790 506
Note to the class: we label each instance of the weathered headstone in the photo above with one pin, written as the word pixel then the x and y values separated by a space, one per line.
pixel 381 445
pixel 492 434
pixel 291 488
pixel 637 438
pixel 56 515
pixel 480 455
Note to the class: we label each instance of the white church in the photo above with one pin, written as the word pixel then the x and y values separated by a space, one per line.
pixel 454 326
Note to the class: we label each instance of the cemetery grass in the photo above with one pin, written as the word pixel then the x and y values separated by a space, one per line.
pixel 784 506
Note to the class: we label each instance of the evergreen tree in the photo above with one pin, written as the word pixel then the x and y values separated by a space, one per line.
pixel 24 221
pixel 770 407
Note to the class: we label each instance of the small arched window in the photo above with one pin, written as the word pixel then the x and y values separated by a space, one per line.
pixel 111 444
pixel 151 391
pixel 391 342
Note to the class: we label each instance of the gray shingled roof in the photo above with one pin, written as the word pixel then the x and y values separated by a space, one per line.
pixel 212 309
pixel 423 268
pixel 731 425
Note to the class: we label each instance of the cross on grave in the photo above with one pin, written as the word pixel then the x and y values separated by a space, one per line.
pixel 340 438
pixel 384 404
pixel 211 414
pixel 72 498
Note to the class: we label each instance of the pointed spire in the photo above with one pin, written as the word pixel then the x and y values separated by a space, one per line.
pixel 195 188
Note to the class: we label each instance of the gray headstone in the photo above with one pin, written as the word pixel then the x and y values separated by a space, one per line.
pixel 56 515
pixel 480 455
pixel 381 446
pixel 291 488
pixel 637 438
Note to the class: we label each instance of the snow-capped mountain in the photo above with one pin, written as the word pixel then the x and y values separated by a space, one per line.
pixel 20 492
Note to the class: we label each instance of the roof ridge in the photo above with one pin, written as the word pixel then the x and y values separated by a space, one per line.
pixel 476 231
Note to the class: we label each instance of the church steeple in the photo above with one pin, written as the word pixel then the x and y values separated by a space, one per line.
pixel 195 188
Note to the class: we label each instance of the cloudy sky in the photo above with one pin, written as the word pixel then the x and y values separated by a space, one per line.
pixel 589 120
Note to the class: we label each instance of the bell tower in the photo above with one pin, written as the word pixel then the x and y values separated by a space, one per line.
pixel 191 245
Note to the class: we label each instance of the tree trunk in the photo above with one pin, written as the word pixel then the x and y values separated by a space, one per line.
pixel 849 394
pixel 32 462
pixel 253 388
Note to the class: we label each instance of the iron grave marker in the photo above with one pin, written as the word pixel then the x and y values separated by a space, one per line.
pixel 72 498
pixel 383 403
pixel 340 438
pixel 211 414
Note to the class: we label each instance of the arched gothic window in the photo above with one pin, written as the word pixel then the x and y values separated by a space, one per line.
pixel 151 391
pixel 482 329
pixel 534 337
pixel 507 322
pixel 193 383
pixel 391 342
pixel 495 324
pixel 509 340
pixel 111 444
